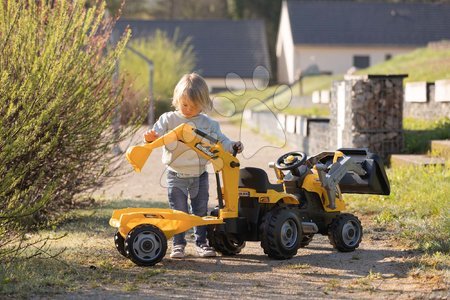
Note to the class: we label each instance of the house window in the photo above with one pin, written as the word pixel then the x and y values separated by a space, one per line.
pixel 388 56
pixel 361 61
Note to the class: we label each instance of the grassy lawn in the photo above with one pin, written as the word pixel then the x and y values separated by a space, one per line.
pixel 423 64
pixel 86 257
pixel 417 209
pixel 418 133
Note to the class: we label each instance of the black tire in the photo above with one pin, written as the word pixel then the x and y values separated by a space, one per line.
pixel 306 240
pixel 225 243
pixel 345 232
pixel 119 241
pixel 281 233
pixel 146 245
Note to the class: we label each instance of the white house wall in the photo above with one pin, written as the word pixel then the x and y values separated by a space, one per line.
pixel 285 48
pixel 339 60
pixel 234 84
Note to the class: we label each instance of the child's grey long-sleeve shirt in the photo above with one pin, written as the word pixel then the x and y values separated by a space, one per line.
pixel 177 156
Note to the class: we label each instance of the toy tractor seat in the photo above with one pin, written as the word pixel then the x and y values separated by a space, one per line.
pixel 257 179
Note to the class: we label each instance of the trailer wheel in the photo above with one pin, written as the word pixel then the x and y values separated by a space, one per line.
pixel 345 232
pixel 306 240
pixel 119 241
pixel 281 233
pixel 146 245
pixel 225 243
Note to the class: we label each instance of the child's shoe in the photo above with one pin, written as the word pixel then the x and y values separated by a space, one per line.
pixel 205 251
pixel 177 251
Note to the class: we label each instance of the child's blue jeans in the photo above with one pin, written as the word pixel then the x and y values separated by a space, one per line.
pixel 197 188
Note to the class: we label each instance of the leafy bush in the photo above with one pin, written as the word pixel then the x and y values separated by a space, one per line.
pixel 57 102
pixel 171 58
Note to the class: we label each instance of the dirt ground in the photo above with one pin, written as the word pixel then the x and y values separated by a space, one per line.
pixel 379 268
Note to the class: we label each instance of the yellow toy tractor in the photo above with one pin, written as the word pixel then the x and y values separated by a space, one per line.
pixel 283 216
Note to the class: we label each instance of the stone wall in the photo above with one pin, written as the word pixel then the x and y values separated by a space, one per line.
pixel 367 112
pixel 431 107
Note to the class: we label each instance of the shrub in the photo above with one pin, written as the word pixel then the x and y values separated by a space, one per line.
pixel 57 102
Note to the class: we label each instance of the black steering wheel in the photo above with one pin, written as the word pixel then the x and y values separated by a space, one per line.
pixel 291 160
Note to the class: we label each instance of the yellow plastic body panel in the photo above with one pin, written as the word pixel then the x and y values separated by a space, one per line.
pixel 312 184
pixel 271 196
pixel 170 221
pixel 337 154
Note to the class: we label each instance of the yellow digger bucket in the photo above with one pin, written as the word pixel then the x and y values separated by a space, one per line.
pixel 138 155
pixel 169 221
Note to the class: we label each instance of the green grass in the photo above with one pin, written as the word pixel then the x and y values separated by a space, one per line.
pixel 417 209
pixel 423 64
pixel 316 83
pixel 314 111
pixel 418 133
pixel 87 259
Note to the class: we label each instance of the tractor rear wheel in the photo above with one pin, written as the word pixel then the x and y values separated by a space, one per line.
pixel 225 243
pixel 119 241
pixel 146 245
pixel 345 232
pixel 281 233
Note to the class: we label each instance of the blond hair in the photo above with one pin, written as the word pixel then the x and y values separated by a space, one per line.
pixel 193 87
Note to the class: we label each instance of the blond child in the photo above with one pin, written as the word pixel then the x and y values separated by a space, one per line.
pixel 187 176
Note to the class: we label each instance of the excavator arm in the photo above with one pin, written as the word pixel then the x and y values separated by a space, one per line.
pixel 332 175
pixel 207 147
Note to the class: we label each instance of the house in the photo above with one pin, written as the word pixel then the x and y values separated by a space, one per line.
pixel 223 48
pixel 334 36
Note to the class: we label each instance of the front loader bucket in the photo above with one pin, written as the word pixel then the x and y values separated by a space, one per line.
pixel 137 156
pixel 374 182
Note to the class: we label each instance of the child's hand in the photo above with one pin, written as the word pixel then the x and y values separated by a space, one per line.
pixel 150 136
pixel 238 146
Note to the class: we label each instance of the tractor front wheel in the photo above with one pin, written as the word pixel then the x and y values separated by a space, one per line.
pixel 281 233
pixel 225 243
pixel 146 245
pixel 345 232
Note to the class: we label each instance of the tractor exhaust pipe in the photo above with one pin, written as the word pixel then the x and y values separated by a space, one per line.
pixel 309 227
